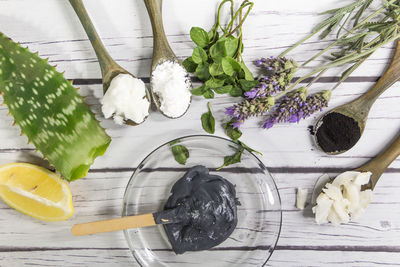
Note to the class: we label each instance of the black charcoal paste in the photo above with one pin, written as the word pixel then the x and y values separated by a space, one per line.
pixel 205 207
pixel 337 133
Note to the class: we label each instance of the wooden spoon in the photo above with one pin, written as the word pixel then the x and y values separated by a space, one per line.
pixel 376 166
pixel 137 221
pixel 161 49
pixel 109 68
pixel 359 108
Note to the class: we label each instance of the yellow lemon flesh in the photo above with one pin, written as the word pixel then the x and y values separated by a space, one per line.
pixel 35 191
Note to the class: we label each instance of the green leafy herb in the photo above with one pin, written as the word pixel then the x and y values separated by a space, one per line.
pixel 208 121
pixel 217 59
pixel 199 56
pixel 199 36
pixel 180 152
pixel 202 71
pixel 189 64
pixel 223 89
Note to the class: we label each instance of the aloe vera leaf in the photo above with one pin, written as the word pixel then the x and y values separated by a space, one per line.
pixel 50 111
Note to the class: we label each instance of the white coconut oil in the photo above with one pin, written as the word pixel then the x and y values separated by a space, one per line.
pixel 343 199
pixel 126 99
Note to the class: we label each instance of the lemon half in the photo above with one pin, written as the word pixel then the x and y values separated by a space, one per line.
pixel 35 191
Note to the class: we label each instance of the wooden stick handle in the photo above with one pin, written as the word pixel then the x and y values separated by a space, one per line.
pixel 391 75
pixel 113 225
pixel 379 164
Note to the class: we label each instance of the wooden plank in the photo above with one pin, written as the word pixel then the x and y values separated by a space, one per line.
pixel 127 33
pixel 283 256
pixel 99 197
pixel 281 145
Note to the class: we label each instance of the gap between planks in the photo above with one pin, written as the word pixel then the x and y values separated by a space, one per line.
pixel 331 79
pixel 373 249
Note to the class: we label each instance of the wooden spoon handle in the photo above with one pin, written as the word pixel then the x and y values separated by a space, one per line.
pixel 161 48
pixel 113 225
pixel 105 60
pixel 379 164
pixel 391 75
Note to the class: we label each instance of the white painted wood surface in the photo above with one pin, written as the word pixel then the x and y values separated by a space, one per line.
pixel 51 27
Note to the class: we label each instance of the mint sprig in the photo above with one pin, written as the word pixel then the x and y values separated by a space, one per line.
pixel 217 60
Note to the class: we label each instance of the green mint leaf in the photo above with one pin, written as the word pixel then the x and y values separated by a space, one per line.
pixel 199 36
pixel 228 79
pixel 247 73
pixel 214 83
pixel 216 69
pixel 181 154
pixel 231 46
pixel 208 121
pixel 236 91
pixel 231 132
pixel 199 90
pixel 223 89
pixel 189 65
pixel 202 72
pixel 233 159
pixel 247 85
pixel 218 50
pixel 230 66
pixel 247 147
pixel 211 34
pixel 199 55
pixel 208 93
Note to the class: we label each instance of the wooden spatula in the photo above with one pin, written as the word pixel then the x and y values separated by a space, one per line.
pixel 137 221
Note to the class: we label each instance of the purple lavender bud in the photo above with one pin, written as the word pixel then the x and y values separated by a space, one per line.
pixel 251 94
pixel 259 63
pixel 237 124
pixel 269 123
pixel 230 111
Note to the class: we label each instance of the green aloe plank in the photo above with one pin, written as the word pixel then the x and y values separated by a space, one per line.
pixel 50 111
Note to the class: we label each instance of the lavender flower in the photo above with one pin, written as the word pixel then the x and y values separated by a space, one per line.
pixel 279 72
pixel 248 108
pixel 297 106
pixel 277 65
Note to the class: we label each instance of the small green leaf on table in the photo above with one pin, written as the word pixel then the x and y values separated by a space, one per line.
pixel 232 133
pixel 233 159
pixel 208 121
pixel 180 152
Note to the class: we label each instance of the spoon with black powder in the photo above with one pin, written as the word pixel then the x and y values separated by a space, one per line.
pixel 340 129
pixel 201 213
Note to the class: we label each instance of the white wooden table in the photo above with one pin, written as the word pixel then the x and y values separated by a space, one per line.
pixel 51 27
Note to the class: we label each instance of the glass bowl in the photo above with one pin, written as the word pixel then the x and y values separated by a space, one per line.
pixel 259 215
